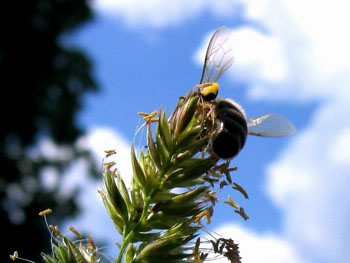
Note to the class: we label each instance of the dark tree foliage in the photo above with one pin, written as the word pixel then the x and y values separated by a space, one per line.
pixel 42 84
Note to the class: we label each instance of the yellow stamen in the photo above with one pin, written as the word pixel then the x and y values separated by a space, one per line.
pixel 45 212
pixel 76 232
pixel 14 256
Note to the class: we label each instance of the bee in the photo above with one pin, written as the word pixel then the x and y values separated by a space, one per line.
pixel 232 128
pixel 218 58
pixel 231 125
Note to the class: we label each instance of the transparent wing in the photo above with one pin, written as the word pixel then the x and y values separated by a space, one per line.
pixel 219 56
pixel 270 125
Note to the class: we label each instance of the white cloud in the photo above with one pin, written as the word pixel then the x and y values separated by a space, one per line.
pixel 310 184
pixel 340 154
pixel 259 247
pixel 314 44
pixel 310 180
pixel 158 13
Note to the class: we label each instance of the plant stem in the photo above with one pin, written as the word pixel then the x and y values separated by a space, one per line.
pixel 130 235
pixel 148 200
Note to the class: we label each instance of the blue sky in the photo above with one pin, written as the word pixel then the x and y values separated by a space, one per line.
pixel 290 58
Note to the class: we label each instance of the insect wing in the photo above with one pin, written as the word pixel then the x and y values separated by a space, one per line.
pixel 270 125
pixel 219 56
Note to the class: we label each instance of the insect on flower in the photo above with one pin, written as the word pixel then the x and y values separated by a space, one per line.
pixel 231 125
pixel 232 128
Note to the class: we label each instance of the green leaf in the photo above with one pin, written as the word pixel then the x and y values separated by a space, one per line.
pixel 187 114
pixel 145 237
pixel 164 221
pixel 185 210
pixel 138 172
pixel 185 139
pixel 189 196
pixel 75 253
pixel 163 196
pixel 114 196
pixel 130 253
pixel 136 197
pixel 190 170
pixel 152 148
pixel 114 215
pixel 164 131
pixel 162 149
pixel 61 252
pixel 190 182
pixel 150 171
pixel 170 242
pixel 124 191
